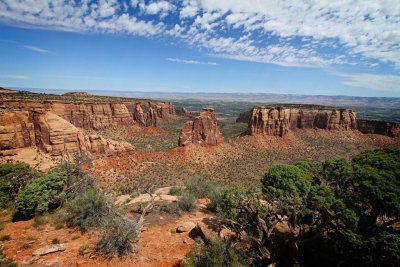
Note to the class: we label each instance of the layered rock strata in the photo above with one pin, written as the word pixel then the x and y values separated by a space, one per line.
pixel 100 115
pixel 280 120
pixel 51 134
pixel 202 130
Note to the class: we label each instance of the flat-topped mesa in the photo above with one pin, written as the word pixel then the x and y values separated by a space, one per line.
pixel 279 120
pixel 388 128
pixel 202 130
pixel 51 134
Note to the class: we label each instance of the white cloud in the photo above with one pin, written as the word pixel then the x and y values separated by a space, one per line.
pixel 161 7
pixel 34 48
pixel 186 61
pixel 379 82
pixel 284 32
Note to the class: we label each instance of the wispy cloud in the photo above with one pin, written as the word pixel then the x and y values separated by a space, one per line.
pixel 34 48
pixel 25 46
pixel 378 82
pixel 186 61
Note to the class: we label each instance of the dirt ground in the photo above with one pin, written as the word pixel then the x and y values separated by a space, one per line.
pixel 159 244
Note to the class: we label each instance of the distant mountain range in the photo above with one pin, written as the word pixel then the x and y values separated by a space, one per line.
pixel 268 98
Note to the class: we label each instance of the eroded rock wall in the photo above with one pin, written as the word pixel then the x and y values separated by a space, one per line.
pixel 280 120
pixel 50 133
pixel 203 130
pixel 101 115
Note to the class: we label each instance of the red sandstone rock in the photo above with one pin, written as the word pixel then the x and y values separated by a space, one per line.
pixel 100 115
pixel 279 120
pixel 203 130
pixel 51 134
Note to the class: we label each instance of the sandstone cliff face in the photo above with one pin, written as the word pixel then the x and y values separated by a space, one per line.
pixel 51 134
pixel 143 113
pixel 279 120
pixel 16 129
pixel 203 130
pixel 101 115
pixel 391 129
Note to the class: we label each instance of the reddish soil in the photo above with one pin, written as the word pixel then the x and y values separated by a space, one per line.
pixel 242 159
pixel 159 245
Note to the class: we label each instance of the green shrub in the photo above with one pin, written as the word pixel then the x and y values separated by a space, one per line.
pixel 176 191
pixel 25 245
pixel 55 241
pixel 88 209
pixel 217 254
pixel 172 209
pixel 187 202
pixel 5 237
pixel 40 195
pixel 83 248
pixel 4 261
pixel 39 220
pixel 118 233
pixel 13 177
pixel 59 218
pixel 200 186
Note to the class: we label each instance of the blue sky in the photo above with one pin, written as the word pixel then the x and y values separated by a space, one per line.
pixel 294 47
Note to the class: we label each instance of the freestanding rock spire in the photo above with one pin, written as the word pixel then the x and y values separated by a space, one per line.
pixel 203 130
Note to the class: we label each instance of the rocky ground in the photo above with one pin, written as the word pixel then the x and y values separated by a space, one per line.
pixel 160 243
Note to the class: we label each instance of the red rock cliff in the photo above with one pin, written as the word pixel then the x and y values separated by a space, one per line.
pixel 203 130
pixel 100 115
pixel 280 120
pixel 51 134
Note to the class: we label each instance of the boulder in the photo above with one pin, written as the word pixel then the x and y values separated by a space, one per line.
pixel 185 227
pixel 204 232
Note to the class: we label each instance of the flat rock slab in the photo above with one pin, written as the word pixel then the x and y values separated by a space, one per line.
pixel 185 227
pixel 49 249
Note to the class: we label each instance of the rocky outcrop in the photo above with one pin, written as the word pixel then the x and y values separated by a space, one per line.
pixel 143 113
pixel 203 130
pixel 51 134
pixel 16 129
pixel 391 129
pixel 279 120
pixel 100 115
pixel 182 111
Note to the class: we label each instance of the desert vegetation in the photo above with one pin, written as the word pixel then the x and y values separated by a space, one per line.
pixel 76 201
pixel 337 212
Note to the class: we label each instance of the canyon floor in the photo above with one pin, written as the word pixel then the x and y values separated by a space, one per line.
pixel 241 158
